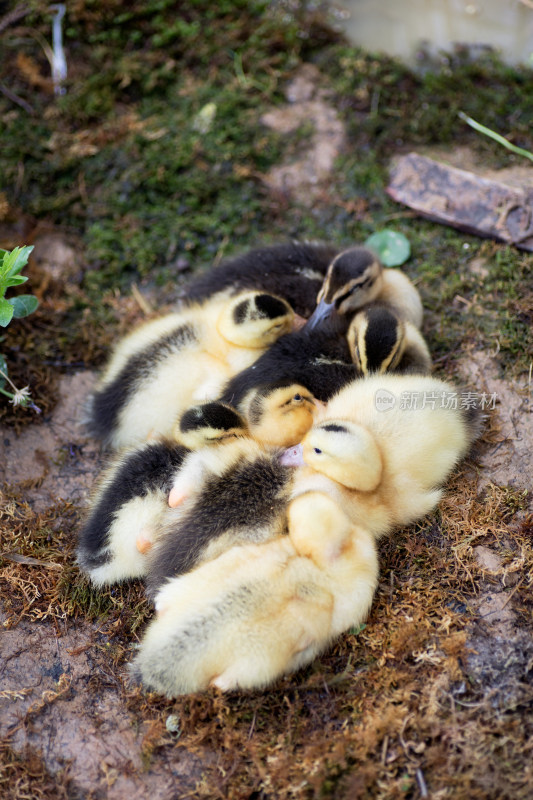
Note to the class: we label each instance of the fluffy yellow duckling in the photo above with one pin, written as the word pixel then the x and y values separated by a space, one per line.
pixel 170 363
pixel 383 448
pixel 260 611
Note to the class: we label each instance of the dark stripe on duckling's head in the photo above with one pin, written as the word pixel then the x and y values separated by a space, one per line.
pixel 213 416
pixel 381 340
pixel 353 268
pixel 256 408
pixel 332 427
pixel 260 306
pixel 270 307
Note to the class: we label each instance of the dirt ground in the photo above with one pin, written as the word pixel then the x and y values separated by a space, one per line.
pixel 64 696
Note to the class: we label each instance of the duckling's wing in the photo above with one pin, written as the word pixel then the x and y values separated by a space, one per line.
pixel 243 502
pixel 130 498
pixel 294 271
pixel 239 621
pixel 131 368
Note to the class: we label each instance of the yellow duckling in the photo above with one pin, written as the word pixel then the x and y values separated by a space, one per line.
pixel 380 341
pixel 383 448
pixel 168 364
pixel 260 611
pixel 356 278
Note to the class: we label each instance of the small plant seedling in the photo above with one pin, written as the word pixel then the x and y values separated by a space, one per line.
pixel 11 264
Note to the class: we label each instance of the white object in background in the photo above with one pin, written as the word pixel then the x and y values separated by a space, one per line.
pixel 59 62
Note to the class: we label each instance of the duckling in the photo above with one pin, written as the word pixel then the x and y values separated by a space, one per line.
pixel 128 505
pixel 317 360
pixel 356 278
pixel 294 271
pixel 279 414
pixel 380 341
pixel 261 611
pixel 276 415
pixel 163 367
pixel 223 496
pixel 214 421
pixel 383 448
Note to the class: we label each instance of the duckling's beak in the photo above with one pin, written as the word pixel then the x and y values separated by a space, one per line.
pixel 292 457
pixel 322 312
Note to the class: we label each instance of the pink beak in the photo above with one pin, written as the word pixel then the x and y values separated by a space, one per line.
pixel 292 457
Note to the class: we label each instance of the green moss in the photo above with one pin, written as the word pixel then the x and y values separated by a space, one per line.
pixel 126 159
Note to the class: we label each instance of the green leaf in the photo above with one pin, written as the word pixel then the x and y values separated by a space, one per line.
pixel 355 631
pixel 392 247
pixel 6 312
pixel 15 280
pixel 15 260
pixel 23 305
pixel 3 368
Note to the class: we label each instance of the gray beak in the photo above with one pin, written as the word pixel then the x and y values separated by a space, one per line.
pixel 322 312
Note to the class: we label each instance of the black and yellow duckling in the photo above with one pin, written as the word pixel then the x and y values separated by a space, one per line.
pixel 276 415
pixel 131 498
pixel 294 271
pixel 318 360
pixel 383 448
pixel 380 341
pixel 356 278
pixel 279 414
pixel 223 496
pixel 259 611
pixel 171 363
pixel 209 422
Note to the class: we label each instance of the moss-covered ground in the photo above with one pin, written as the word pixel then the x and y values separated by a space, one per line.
pixel 127 164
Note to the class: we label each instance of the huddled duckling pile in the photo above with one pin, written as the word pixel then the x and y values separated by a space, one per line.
pixel 255 467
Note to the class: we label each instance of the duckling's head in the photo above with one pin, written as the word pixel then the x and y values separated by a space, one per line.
pixel 354 278
pixel 280 414
pixel 209 423
pixel 343 451
pixel 376 338
pixel 255 319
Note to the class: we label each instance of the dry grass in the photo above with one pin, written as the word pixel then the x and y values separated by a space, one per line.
pixel 393 710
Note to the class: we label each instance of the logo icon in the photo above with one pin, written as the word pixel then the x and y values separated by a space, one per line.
pixel 384 400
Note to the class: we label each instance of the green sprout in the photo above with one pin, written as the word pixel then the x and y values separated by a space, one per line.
pixel 11 264
pixel 477 126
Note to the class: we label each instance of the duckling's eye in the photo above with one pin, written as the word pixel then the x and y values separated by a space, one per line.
pixel 317 450
pixel 297 397
pixel 340 300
